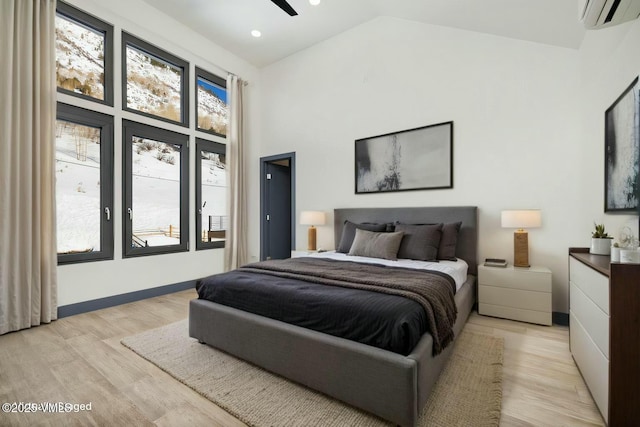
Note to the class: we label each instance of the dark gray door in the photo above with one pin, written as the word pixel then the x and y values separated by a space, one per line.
pixel 277 219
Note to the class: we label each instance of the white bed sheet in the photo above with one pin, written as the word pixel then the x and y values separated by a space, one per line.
pixel 456 269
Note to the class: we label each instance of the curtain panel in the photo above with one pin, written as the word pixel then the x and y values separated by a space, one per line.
pixel 235 250
pixel 28 258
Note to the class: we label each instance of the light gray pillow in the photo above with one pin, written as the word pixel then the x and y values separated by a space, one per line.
pixel 349 233
pixel 420 241
pixel 376 245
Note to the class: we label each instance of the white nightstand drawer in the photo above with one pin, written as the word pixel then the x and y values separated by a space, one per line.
pixel 594 321
pixel 593 284
pixel 593 365
pixel 528 300
pixel 531 316
pixel 531 279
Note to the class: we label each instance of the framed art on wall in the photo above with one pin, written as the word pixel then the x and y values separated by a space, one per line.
pixel 622 152
pixel 414 159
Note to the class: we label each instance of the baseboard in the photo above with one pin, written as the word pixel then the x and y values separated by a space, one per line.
pixel 100 303
pixel 559 318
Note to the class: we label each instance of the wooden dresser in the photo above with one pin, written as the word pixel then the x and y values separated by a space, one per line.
pixel 604 329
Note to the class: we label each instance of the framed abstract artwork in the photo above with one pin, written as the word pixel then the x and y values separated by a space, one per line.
pixel 414 159
pixel 622 151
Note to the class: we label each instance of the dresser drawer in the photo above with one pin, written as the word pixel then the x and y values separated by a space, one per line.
pixel 594 285
pixel 593 365
pixel 594 321
pixel 516 298
pixel 533 279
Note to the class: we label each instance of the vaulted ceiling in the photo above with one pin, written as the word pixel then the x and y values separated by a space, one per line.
pixel 229 23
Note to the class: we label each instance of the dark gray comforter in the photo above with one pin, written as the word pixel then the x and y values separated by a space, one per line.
pixel 387 307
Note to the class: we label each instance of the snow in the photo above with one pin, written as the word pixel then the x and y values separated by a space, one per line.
pixel 79 55
pixel 212 111
pixel 153 86
pixel 77 189
pixel 156 191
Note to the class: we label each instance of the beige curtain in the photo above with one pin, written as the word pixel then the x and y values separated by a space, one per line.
pixel 28 257
pixel 235 250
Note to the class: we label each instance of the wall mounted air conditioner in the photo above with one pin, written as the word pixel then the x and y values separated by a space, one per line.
pixel 596 14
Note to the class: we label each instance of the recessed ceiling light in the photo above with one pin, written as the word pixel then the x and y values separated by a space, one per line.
pixel 256 33
pixel 314 2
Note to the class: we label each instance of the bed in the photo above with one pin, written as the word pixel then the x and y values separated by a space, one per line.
pixel 391 385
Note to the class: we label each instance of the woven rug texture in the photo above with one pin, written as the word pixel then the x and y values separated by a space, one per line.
pixel 468 392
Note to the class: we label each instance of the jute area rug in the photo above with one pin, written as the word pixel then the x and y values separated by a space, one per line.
pixel 468 393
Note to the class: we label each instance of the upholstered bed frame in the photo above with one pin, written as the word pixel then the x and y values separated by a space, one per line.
pixel 390 385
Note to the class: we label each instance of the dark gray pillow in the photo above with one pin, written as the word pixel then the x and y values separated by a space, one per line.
pixel 449 241
pixel 349 232
pixel 420 241
pixel 376 245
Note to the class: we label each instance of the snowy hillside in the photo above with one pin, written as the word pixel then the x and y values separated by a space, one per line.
pixel 153 86
pixel 79 59
pixel 212 111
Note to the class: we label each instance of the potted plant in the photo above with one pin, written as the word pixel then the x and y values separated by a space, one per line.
pixel 615 252
pixel 600 241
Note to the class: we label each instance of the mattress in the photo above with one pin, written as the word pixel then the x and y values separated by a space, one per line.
pixel 385 321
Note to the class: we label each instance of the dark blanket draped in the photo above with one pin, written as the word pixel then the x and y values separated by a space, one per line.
pixel 386 307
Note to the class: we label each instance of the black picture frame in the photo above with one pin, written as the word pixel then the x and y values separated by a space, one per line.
pixel 622 153
pixel 413 159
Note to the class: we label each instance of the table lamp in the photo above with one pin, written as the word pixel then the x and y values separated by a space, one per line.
pixel 312 218
pixel 521 219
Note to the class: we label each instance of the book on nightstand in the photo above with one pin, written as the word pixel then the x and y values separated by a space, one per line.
pixel 495 262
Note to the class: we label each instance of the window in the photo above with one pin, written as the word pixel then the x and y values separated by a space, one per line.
pixel 84 55
pixel 156 190
pixel 211 194
pixel 211 103
pixel 154 83
pixel 84 184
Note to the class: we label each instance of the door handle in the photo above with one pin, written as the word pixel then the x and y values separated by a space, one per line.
pixel 130 212
pixel 107 211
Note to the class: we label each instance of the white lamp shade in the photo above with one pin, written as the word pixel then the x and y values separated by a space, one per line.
pixel 312 218
pixel 521 219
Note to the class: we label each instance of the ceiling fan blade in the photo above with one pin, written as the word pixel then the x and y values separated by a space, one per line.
pixel 282 4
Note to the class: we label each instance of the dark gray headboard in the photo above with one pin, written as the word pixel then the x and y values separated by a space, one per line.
pixel 467 247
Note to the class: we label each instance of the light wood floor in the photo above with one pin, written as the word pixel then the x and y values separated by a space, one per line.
pixel 79 359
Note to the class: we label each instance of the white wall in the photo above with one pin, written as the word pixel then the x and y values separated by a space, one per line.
pixel 87 281
pixel 609 62
pixel 515 110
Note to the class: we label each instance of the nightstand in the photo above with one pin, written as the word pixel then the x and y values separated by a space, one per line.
pixel 302 252
pixel 515 293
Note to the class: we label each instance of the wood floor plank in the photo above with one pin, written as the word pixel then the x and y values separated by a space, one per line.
pixel 79 359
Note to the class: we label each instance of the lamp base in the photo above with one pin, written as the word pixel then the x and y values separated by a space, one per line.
pixel 521 249
pixel 311 239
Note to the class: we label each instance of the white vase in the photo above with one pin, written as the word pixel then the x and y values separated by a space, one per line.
pixel 615 254
pixel 600 246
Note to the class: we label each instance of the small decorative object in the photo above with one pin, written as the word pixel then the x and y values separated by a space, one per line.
pixel 312 218
pixel 630 256
pixel 622 152
pixel 600 241
pixel 628 239
pixel 615 253
pixel 521 219
pixel 413 159
pixel 495 262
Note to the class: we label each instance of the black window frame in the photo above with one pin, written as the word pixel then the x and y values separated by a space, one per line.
pixel 82 116
pixel 152 50
pixel 129 130
pixel 89 21
pixel 212 147
pixel 215 80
